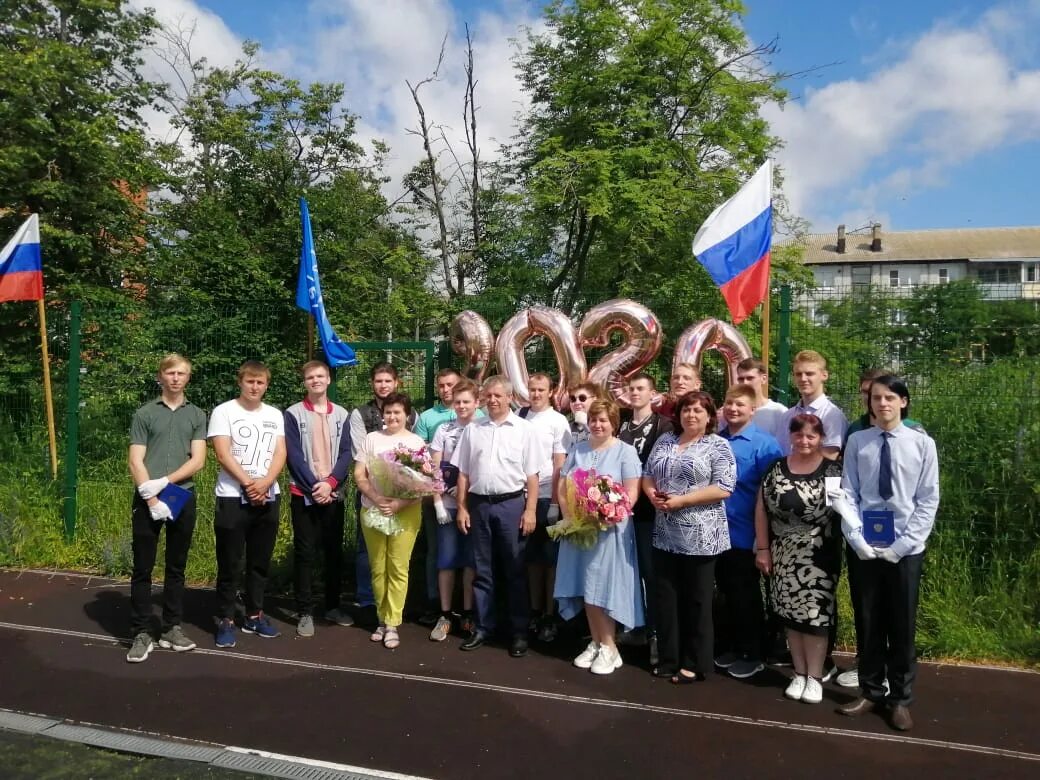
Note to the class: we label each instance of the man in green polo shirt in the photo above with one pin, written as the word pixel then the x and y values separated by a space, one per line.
pixel 167 446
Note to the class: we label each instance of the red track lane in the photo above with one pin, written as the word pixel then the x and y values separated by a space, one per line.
pixel 430 710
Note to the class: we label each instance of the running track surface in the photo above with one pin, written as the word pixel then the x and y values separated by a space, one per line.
pixel 427 709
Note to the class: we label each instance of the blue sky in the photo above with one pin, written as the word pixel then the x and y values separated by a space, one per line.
pixel 916 113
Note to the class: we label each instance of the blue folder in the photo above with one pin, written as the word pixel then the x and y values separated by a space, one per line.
pixel 175 497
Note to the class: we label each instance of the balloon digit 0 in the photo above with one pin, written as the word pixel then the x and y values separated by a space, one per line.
pixel 712 334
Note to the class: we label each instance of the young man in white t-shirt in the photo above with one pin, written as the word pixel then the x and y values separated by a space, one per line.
pixel 554 439
pixel 769 414
pixel 248 437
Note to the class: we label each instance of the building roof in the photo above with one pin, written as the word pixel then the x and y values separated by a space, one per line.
pixel 1002 243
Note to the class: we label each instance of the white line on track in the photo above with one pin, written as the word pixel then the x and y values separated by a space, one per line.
pixel 109 582
pixel 571 699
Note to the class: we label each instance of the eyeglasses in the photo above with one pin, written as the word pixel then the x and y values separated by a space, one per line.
pixel 582 398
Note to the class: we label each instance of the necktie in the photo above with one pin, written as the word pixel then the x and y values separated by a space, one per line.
pixel 885 468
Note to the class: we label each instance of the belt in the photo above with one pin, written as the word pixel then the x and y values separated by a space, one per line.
pixel 498 498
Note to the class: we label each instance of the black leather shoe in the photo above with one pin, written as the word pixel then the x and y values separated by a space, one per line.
pixel 518 647
pixel 477 639
pixel 857 707
pixel 899 718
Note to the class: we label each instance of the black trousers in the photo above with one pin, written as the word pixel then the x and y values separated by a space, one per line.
pixel 886 607
pixel 685 635
pixel 740 617
pixel 853 564
pixel 495 528
pixel 244 528
pixel 644 530
pixel 317 527
pixel 145 545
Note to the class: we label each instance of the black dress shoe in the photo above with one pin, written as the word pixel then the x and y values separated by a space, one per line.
pixel 477 639
pixel 899 718
pixel 518 647
pixel 857 707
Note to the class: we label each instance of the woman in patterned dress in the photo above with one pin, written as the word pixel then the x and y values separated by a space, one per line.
pixel 687 476
pixel 804 557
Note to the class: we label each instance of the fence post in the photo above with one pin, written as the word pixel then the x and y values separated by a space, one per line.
pixel 782 380
pixel 333 392
pixel 431 396
pixel 444 354
pixel 72 421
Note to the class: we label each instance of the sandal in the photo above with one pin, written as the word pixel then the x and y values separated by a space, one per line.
pixel 378 634
pixel 391 639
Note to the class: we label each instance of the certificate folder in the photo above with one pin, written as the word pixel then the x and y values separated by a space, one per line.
pixel 175 497
pixel 879 528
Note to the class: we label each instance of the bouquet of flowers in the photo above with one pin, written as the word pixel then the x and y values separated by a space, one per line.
pixel 590 503
pixel 400 473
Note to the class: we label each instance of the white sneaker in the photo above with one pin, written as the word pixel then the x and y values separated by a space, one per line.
pixel 812 693
pixel 608 660
pixel 588 655
pixel 796 688
pixel 849 679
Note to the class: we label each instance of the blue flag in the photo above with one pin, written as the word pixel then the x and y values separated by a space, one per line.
pixel 308 298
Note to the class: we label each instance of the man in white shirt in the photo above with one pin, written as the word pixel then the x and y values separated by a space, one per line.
pixel 498 459
pixel 554 439
pixel 810 374
pixel 248 437
pixel 769 414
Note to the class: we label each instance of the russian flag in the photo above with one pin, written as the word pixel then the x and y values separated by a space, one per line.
pixel 733 244
pixel 21 270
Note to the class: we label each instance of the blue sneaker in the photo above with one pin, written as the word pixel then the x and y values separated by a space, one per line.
pixel 260 625
pixel 226 633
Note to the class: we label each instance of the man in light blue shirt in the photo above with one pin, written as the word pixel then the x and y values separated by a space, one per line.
pixel 810 374
pixel 890 481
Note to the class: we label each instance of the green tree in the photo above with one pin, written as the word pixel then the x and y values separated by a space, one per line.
pixel 644 116
pixel 73 150
pixel 252 143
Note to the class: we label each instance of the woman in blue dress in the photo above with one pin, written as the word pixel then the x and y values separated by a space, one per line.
pixel 605 579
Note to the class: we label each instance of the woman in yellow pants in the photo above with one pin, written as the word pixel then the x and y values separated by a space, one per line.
pixel 388 553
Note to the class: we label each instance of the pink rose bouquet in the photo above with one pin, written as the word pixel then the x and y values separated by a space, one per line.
pixel 400 473
pixel 590 503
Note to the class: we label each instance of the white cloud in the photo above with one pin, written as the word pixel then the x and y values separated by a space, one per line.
pixel 373 48
pixel 953 93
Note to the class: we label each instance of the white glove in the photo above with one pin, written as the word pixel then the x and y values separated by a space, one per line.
pixel 581 418
pixel 443 518
pixel 863 550
pixel 553 516
pixel 887 554
pixel 160 511
pixel 152 487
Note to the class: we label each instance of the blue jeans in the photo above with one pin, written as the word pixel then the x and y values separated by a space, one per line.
pixel 362 571
pixel 454 548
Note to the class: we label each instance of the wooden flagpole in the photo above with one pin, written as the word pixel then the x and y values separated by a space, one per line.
pixel 310 337
pixel 765 325
pixel 48 398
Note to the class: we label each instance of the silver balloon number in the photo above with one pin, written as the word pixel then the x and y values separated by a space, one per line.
pixel 643 337
pixel 712 334
pixel 553 325
pixel 472 338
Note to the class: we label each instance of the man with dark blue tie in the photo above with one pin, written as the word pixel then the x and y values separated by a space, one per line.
pixel 888 504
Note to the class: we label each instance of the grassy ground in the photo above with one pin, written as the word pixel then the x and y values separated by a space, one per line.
pixel 27 757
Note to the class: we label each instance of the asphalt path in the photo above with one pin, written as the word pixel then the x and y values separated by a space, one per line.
pixel 428 710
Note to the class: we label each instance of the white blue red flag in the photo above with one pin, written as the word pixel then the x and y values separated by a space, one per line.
pixel 734 241
pixel 309 298
pixel 21 269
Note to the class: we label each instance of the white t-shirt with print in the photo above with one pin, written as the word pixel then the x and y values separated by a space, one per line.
pixel 254 436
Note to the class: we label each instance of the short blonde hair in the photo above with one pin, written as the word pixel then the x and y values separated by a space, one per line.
pixel 609 408
pixel 174 359
pixel 810 356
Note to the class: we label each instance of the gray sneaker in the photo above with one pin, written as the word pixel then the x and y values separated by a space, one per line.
pixel 849 679
pixel 339 616
pixel 140 649
pixel 175 640
pixel 305 626
pixel 743 668
pixel 441 629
